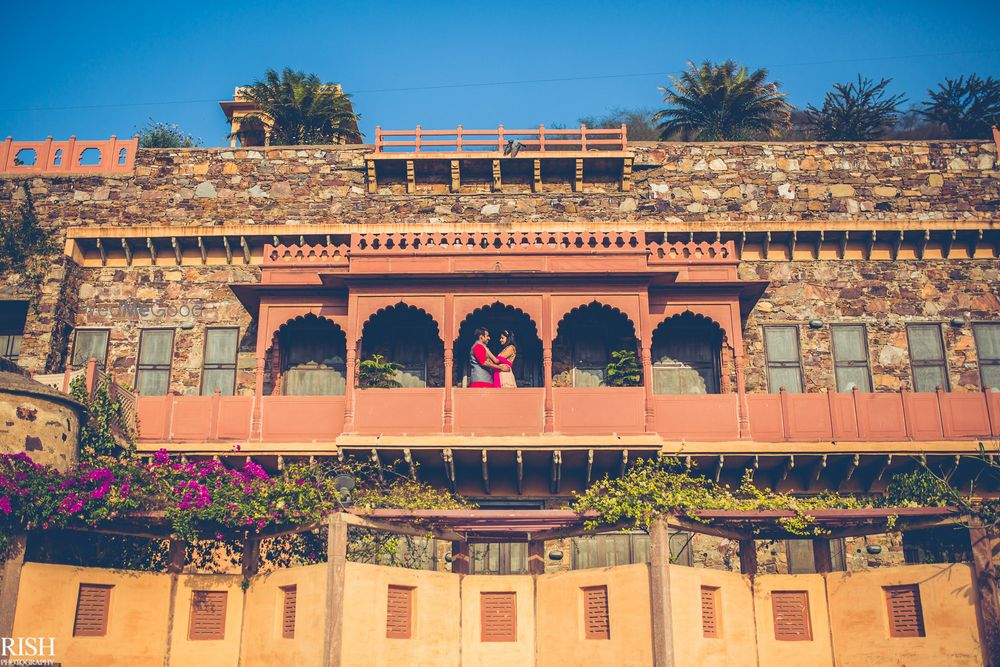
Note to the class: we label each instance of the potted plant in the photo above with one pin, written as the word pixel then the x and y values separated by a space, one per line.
pixel 378 372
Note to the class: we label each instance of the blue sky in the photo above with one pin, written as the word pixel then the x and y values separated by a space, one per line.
pixel 111 62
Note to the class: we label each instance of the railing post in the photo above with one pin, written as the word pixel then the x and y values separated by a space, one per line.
pixel 536 557
pixel 458 138
pixel 939 395
pixel 47 157
pixel 748 557
pixel 213 432
pixel 257 420
pixel 168 422
pixel 821 555
pixel 90 380
pixel 548 403
pixel 783 397
pixel 624 137
pixel 583 136
pixel 449 408
pixel 742 407
pixel 378 138
pixel 460 557
pixel 541 138
pixel 176 556
pixel 993 419
pixel 499 138
pixel 416 135
pixel 350 389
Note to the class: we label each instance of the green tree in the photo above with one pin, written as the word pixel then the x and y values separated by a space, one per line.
pixel 156 134
pixel 722 102
pixel 857 111
pixel 623 370
pixel 639 121
pixel 968 107
pixel 378 373
pixel 301 109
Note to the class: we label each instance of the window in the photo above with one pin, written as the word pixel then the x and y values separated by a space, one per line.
pixel 289 595
pixel 988 351
pixel 499 558
pixel 498 614
pixel 686 358
pixel 906 617
pixel 92 604
pixel 90 343
pixel 611 550
pixel 802 556
pixel 218 370
pixel 208 615
pixel 850 357
pixel 927 357
pixel 156 350
pixel 399 612
pixel 710 612
pixel 13 315
pixel 791 616
pixel 784 363
pixel 410 352
pixel 596 619
pixel 590 359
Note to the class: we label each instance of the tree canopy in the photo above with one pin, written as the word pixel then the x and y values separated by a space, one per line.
pixel 856 111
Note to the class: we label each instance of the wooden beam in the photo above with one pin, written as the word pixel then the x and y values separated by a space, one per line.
pixel 682 523
pixel 536 557
pixel 766 246
pixel 740 244
pixel 818 247
pixel 819 467
pixel 152 249
pixel 246 249
pixel 870 244
pixel 624 465
pixel 250 562
pixel 378 465
pixel 229 251
pixel 985 575
pixel 486 474
pixel 849 473
pixel 400 527
pixel 753 466
pixel 519 479
pixel 748 557
pixel 104 252
pixel 974 240
pixel 895 245
pixel 947 473
pixel 556 478
pixel 178 255
pixel 176 556
pixel 785 470
pixel 793 238
pixel 877 477
pixel 949 240
pixel 844 240
pixel 460 560
pixel 822 559
pixel 203 250
pixel 661 611
pixel 921 245
pixel 128 252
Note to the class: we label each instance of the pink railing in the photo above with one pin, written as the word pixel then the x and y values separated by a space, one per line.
pixel 539 139
pixel 783 417
pixel 114 156
pixel 299 256
pixel 92 376
pixel 492 242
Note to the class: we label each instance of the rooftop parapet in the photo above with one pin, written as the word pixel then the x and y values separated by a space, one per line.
pixel 99 158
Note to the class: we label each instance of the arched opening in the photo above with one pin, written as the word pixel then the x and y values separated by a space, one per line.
pixel 497 318
pixel 312 357
pixel 409 337
pixel 687 352
pixel 586 339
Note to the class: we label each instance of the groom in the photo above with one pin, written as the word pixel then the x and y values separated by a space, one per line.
pixel 480 363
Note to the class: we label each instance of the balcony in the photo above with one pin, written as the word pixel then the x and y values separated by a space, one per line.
pixel 599 411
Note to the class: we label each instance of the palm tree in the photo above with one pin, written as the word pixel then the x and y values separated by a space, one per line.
pixel 722 102
pixel 300 109
pixel 855 112
pixel 967 107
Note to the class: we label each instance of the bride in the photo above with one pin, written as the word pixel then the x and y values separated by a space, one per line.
pixel 506 356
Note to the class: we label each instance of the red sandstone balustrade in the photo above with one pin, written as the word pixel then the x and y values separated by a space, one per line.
pixel 783 417
pixel 116 156
pixel 461 140
pixel 492 242
pixel 692 252
pixel 296 256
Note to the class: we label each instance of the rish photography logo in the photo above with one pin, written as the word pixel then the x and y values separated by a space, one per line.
pixel 144 310
pixel 27 651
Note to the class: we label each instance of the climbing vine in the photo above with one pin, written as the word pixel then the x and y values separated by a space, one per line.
pixel 25 246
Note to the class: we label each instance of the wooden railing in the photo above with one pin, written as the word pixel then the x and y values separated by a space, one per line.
pixel 114 156
pixel 539 139
pixel 92 377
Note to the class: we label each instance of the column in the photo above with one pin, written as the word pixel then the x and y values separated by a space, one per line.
pixel 351 369
pixel 536 557
pixel 821 555
pixel 646 357
pixel 659 594
pixel 546 331
pixel 449 409
pixel 748 557
pixel 336 574
pixel 460 557
pixel 741 389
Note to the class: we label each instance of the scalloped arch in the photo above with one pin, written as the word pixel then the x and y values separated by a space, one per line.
pixel 400 306
pixel 689 316
pixel 600 306
pixel 507 308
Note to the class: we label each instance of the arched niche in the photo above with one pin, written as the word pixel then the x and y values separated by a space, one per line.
pixel 585 339
pixel 687 355
pixel 311 356
pixel 497 318
pixel 408 336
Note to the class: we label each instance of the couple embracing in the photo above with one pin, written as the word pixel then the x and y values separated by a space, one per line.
pixel 488 369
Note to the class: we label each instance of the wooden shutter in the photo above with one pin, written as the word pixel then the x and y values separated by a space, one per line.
pixel 289 596
pixel 399 613
pixel 208 615
pixel 498 614
pixel 791 616
pixel 596 620
pixel 710 612
pixel 906 617
pixel 92 610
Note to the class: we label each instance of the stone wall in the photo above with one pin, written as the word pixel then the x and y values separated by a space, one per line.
pixel 672 182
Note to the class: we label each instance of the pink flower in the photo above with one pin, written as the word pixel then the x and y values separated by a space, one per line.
pixel 5 505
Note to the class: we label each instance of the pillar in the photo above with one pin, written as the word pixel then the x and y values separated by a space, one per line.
pixel 351 369
pixel 748 557
pixel 536 557
pixel 460 557
pixel 549 403
pixel 336 574
pixel 741 390
pixel 646 358
pixel 821 555
pixel 11 570
pixel 176 555
pixel 250 563
pixel 984 576
pixel 449 409
pixel 659 592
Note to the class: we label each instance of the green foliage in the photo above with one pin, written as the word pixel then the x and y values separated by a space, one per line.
pixel 855 112
pixel 639 121
pixel 156 134
pixel 968 107
pixel 722 102
pixel 105 431
pixel 26 247
pixel 654 488
pixel 302 108
pixel 378 373
pixel 623 370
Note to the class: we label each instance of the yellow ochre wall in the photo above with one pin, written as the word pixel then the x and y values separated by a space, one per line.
pixel 263 644
pixel 861 622
pixel 137 615
pixel 817 651
pixel 436 618
pixel 736 645
pixel 223 652
pixel 559 608
pixel 476 653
